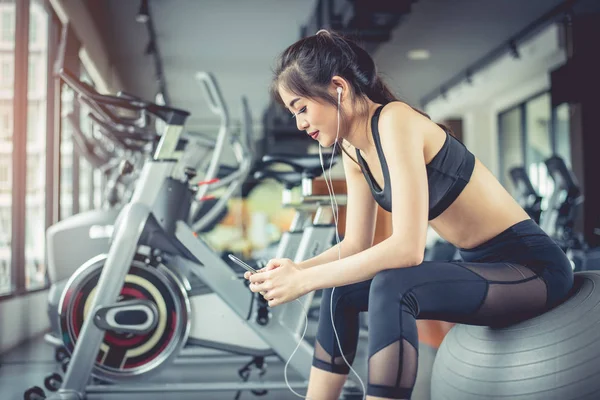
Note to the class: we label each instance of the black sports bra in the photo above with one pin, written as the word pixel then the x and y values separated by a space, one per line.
pixel 448 173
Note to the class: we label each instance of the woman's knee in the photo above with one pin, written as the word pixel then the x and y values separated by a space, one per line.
pixel 332 295
pixel 353 296
pixel 392 289
pixel 393 282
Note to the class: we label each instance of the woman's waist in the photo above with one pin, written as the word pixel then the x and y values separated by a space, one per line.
pixel 541 254
pixel 468 227
pixel 518 232
pixel 524 242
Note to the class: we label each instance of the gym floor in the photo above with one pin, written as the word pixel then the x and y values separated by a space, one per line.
pixel 30 363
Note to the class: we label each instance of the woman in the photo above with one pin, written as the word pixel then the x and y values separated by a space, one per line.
pixel 397 157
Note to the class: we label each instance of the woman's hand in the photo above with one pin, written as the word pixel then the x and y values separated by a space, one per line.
pixel 279 282
pixel 268 267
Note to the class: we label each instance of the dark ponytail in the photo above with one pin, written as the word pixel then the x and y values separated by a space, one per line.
pixel 380 93
pixel 307 66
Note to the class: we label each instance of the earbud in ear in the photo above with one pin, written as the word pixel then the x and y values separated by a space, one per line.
pixel 339 90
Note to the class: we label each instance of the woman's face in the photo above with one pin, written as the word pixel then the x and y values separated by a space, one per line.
pixel 317 119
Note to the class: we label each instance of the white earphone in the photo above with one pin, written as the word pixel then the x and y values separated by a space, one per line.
pixel 334 209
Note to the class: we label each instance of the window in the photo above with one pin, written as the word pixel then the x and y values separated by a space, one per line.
pixel 33 123
pixel 7 59
pixel 86 172
pixel 539 146
pixel 511 145
pixel 32 85
pixel 8 24
pixel 33 23
pixel 34 175
pixel 5 177
pixel 24 268
pixel 85 185
pixel 526 139
pixel 5 284
pixel 35 260
pixel 5 228
pixel 5 224
pixel 66 154
pixel 35 217
pixel 562 129
pixel 5 124
pixel 6 72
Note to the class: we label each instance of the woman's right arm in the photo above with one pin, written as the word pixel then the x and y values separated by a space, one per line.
pixel 361 212
pixel 329 255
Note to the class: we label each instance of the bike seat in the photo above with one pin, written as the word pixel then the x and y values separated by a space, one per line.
pixel 308 164
pixel 290 179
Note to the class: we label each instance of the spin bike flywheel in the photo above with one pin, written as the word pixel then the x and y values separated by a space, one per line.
pixel 125 355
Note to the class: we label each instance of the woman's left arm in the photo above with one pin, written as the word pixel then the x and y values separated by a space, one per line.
pixel 402 140
pixel 361 266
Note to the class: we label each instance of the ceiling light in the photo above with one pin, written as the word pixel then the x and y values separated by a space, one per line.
pixel 418 54
pixel 143 16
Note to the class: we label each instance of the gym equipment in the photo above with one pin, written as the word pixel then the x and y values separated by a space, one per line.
pixel 552 356
pixel 558 220
pixel 91 230
pixel 526 195
pixel 563 203
pixel 120 165
pixel 118 162
pixel 303 210
pixel 205 305
pixel 305 238
pixel 67 316
pixel 140 304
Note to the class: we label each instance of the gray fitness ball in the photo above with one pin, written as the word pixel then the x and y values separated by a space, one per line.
pixel 553 356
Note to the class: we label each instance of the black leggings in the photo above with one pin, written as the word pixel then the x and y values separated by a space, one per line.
pixel 516 275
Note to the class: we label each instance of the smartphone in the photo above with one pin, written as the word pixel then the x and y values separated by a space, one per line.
pixel 242 264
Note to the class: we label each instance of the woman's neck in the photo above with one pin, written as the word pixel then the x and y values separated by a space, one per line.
pixel 360 134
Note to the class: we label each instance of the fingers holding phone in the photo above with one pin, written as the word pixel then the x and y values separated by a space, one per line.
pixel 249 270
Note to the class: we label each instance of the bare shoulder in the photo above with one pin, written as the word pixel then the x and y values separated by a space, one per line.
pixel 398 120
pixel 398 111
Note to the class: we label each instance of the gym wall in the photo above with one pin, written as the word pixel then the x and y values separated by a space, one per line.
pixel 504 83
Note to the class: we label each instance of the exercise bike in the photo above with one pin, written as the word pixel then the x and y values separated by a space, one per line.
pixel 558 220
pixel 91 230
pixel 139 303
pixel 526 195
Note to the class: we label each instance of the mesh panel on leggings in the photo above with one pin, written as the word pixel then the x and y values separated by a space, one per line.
pixel 322 355
pixel 514 293
pixel 388 377
pixel 511 293
pixel 503 272
pixel 384 369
